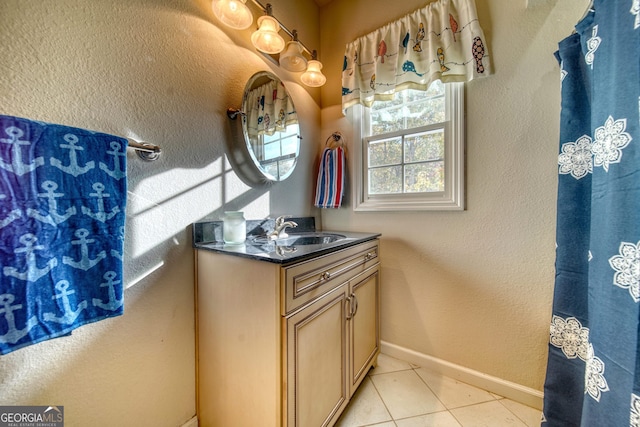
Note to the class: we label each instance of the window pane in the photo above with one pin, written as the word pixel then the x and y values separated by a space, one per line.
pixel 268 139
pixel 385 180
pixel 387 120
pixel 286 167
pixel 436 89
pixel 271 168
pixel 385 152
pixel 271 151
pixel 281 143
pixel 290 145
pixel 292 129
pixel 409 109
pixel 424 177
pixel 424 146
pixel 424 113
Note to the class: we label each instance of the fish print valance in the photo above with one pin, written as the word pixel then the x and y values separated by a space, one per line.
pixel 269 109
pixel 441 41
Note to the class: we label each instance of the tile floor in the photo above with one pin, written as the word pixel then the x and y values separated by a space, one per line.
pixel 399 394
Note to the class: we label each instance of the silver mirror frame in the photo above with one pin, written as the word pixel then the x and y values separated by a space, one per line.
pixel 259 174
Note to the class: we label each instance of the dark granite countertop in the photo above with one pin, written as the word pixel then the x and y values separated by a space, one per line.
pixel 208 236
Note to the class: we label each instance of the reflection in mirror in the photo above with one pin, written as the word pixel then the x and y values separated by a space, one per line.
pixel 270 126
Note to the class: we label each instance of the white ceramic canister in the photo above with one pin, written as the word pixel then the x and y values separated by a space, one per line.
pixel 234 228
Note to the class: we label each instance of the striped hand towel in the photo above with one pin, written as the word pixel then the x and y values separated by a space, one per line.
pixel 331 178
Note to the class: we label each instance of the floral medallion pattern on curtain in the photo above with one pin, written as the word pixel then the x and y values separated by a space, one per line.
pixel 593 370
pixel 443 41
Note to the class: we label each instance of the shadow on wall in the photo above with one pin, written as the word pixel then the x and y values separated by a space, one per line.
pixel 182 85
pixel 153 70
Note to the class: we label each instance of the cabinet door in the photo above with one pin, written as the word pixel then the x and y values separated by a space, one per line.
pixel 317 389
pixel 364 324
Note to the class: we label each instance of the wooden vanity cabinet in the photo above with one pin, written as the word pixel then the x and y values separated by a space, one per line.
pixel 284 345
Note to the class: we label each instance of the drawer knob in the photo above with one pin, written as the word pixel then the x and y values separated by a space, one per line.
pixel 325 276
pixel 369 256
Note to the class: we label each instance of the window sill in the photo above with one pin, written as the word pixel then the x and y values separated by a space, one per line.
pixel 434 204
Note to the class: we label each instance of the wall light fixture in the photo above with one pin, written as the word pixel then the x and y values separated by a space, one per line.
pixel 236 14
pixel 266 38
pixel 233 13
pixel 313 76
pixel 292 58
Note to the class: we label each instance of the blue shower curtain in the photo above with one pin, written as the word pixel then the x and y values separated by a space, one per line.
pixel 593 372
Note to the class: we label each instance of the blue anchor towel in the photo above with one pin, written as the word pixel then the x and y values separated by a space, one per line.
pixel 62 213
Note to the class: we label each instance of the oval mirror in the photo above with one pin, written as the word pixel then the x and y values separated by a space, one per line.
pixel 270 126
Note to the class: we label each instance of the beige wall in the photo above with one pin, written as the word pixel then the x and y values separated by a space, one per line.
pixel 163 71
pixel 474 288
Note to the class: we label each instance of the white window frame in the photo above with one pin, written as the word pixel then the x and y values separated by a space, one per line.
pixel 452 198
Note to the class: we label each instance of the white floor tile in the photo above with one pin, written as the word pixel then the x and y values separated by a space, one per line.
pixel 389 364
pixel 488 414
pixel 453 393
pixel 530 416
pixel 406 395
pixel 439 419
pixel 366 407
pixel 399 394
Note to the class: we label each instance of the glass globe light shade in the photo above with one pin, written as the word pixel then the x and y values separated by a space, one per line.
pixel 313 77
pixel 266 39
pixel 232 13
pixel 292 58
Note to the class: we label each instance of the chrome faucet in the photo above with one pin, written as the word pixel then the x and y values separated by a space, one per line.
pixel 279 229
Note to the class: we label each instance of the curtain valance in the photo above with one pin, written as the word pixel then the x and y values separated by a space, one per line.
pixel 442 41
pixel 270 109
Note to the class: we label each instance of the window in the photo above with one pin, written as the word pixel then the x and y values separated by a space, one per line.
pixel 412 151
pixel 278 152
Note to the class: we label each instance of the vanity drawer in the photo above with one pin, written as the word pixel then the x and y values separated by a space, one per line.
pixel 311 279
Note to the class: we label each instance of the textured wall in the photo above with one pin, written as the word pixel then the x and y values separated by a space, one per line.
pixel 163 71
pixel 474 287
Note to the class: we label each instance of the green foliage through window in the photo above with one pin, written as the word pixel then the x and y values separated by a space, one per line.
pixel 405 146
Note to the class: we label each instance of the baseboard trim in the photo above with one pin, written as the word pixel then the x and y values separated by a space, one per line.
pixel 525 395
pixel 193 422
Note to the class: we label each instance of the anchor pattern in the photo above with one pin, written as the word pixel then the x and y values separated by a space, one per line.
pixel 115 253
pixel 52 216
pixel 11 216
pixel 62 221
pixel 113 303
pixel 118 151
pixel 69 315
pixel 73 167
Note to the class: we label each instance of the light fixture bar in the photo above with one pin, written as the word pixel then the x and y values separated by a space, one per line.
pixel 282 26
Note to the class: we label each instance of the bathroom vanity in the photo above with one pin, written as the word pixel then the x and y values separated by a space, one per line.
pixel 286 333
